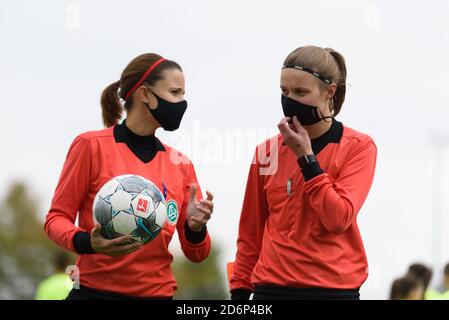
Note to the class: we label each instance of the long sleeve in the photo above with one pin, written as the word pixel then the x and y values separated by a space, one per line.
pixel 71 190
pixel 251 228
pixel 195 245
pixel 337 202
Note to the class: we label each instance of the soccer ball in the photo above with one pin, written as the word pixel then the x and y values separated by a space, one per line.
pixel 130 205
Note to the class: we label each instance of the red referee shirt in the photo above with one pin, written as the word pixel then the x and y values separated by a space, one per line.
pixel 299 233
pixel 93 159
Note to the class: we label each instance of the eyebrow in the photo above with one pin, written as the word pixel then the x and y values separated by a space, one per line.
pixel 177 89
pixel 295 88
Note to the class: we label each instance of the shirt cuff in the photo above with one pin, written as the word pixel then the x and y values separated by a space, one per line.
pixel 81 243
pixel 195 237
pixel 311 170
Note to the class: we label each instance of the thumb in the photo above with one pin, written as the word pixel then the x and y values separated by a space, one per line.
pixel 96 230
pixel 192 192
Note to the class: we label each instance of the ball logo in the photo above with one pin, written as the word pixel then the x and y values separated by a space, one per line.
pixel 172 211
pixel 142 205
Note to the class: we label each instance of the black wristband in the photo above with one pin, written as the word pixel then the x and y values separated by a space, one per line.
pixel 311 170
pixel 81 243
pixel 195 236
pixel 240 294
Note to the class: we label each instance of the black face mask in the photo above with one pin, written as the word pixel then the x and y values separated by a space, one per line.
pixel 168 114
pixel 307 115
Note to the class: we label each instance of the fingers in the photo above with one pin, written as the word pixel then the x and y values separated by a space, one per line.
pixel 208 204
pixel 297 124
pixel 283 123
pixel 205 211
pixel 113 247
pixel 210 196
pixel 120 241
pixel 284 127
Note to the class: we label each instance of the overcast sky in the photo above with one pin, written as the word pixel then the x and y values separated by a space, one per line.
pixel 57 56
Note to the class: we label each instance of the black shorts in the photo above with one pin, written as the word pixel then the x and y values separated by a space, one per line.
pixel 85 293
pixel 272 292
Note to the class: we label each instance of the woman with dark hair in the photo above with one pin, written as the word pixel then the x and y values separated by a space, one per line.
pixel 424 274
pixel 298 235
pixel 153 90
pixel 407 288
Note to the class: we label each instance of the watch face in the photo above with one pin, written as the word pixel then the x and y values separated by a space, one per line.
pixel 306 159
pixel 310 158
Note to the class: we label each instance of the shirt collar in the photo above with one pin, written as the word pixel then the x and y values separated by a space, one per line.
pixel 123 134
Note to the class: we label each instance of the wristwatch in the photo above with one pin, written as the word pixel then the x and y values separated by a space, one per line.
pixel 305 160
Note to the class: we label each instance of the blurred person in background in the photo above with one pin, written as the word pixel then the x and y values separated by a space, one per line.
pixel 407 288
pixel 445 294
pixel 57 286
pixel 424 274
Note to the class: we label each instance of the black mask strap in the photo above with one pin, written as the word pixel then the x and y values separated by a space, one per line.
pixel 324 117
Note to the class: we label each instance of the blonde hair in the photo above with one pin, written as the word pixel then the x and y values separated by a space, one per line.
pixel 328 63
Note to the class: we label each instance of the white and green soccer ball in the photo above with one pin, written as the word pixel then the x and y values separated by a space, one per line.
pixel 130 205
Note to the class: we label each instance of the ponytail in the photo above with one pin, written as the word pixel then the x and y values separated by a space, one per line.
pixel 111 107
pixel 339 97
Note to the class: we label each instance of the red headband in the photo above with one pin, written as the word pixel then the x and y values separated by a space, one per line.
pixel 145 75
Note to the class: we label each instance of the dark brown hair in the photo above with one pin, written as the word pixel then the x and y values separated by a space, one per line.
pixel 327 62
pixel 422 272
pixel 111 107
pixel 402 287
pixel 446 270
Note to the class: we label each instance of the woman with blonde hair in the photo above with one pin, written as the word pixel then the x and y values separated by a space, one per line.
pixel 298 235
